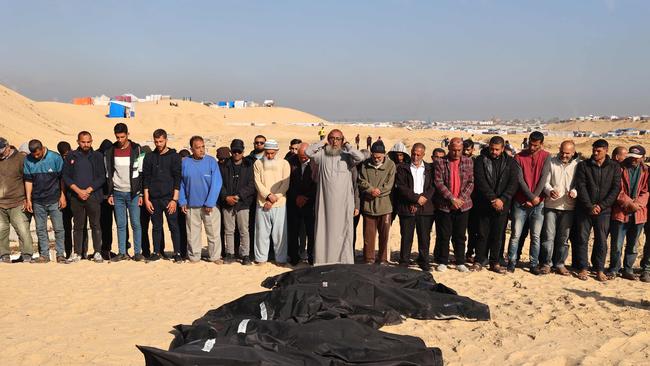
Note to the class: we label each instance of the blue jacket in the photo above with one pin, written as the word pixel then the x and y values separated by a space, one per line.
pixel 200 182
pixel 45 175
pixel 85 170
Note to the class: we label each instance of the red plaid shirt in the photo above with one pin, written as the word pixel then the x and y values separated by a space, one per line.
pixel 441 180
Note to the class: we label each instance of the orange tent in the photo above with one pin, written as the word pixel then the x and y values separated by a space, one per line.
pixel 82 101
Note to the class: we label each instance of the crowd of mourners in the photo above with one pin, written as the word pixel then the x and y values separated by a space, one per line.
pixel 304 208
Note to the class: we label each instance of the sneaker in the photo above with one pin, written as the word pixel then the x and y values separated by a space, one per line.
pixel 545 269
pixel 629 276
pixel 154 257
pixel 178 258
pixel 41 259
pixel 426 267
pixel 118 258
pixel 25 258
pixel 645 276
pixel 246 261
pixel 611 275
pixel 5 259
pixel 74 257
pixel 496 268
pixel 61 260
pixel 229 258
pixel 441 268
pixel 536 271
pixel 476 267
pixel 138 257
pixel 462 268
pixel 164 256
pixel 511 268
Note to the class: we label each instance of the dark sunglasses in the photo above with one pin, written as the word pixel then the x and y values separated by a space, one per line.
pixel 237 152
pixel 259 142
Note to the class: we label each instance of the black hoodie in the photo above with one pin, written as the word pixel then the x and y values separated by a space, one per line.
pixel 161 174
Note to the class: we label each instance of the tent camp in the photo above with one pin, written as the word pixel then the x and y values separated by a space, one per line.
pixel 82 101
pixel 117 109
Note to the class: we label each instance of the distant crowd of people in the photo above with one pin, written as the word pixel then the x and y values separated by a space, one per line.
pixel 305 207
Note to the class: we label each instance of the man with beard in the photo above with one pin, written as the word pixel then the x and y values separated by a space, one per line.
pixel 629 213
pixel 376 182
pixel 598 182
pixel 496 180
pixel 237 194
pixel 272 182
pixel 84 174
pixel 454 181
pixel 199 191
pixel 258 148
pixel 558 180
pixel 161 181
pixel 335 159
pixel 300 208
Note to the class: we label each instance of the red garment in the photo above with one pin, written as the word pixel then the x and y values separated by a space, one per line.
pixel 454 177
pixel 123 153
pixel 531 167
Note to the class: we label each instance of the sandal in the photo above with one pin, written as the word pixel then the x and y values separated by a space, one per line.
pixel 583 275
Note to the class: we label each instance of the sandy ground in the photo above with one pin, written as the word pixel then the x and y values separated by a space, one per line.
pixel 88 313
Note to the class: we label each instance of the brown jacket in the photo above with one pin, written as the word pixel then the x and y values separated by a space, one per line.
pixel 12 187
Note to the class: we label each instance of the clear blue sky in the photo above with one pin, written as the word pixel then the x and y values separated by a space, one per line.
pixel 370 60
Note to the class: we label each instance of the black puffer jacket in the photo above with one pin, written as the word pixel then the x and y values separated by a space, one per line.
pixel 597 184
pixel 242 186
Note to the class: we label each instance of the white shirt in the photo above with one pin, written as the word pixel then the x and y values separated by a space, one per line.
pixel 303 166
pixel 418 178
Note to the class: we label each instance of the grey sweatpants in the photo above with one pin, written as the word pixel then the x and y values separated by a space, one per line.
pixel 212 222
pixel 238 219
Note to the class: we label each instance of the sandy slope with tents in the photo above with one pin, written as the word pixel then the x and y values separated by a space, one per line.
pixel 87 313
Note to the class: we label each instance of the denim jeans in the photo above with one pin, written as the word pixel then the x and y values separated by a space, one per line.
pixel 123 202
pixel 535 218
pixel 41 212
pixel 555 237
pixel 17 218
pixel 621 231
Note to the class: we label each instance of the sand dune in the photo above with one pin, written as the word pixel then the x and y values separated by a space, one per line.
pixel 94 314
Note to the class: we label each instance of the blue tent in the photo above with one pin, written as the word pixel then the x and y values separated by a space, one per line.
pixel 222 104
pixel 231 104
pixel 116 110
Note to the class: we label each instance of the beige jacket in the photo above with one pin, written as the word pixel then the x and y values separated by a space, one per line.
pixel 272 177
pixel 559 177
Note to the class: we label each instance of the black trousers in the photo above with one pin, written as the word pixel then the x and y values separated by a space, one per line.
pixel 600 224
pixel 159 208
pixel 472 232
pixel 450 225
pixel 423 225
pixel 491 226
pixel 296 218
pixel 182 231
pixel 145 219
pixel 67 228
pixel 106 223
pixel 82 211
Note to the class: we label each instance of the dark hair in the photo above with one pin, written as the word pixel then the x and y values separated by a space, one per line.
pixel 35 145
pixel 159 133
pixel 467 144
pixel 120 128
pixel 146 149
pixel 260 137
pixel 105 146
pixel 497 140
pixel 536 136
pixel 617 150
pixel 439 150
pixel 600 143
pixel 83 133
pixel 184 153
pixel 295 141
pixel 195 138
pixel 63 147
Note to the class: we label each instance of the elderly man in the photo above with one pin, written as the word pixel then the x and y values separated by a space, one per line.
pixel 198 194
pixel 300 207
pixel 272 182
pixel 619 154
pixel 335 159
pixel 43 188
pixel 12 202
pixel 376 182
pixel 415 189
pixel 454 181
pixel 598 182
pixel 629 213
pixel 558 181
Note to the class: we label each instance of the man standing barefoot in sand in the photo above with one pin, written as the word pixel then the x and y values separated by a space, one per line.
pixel 84 175
pixel 598 182
pixel 335 159
pixel 495 177
pixel 199 191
